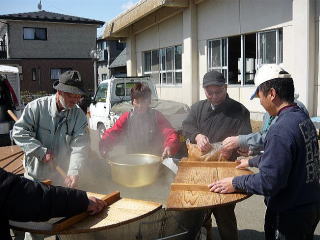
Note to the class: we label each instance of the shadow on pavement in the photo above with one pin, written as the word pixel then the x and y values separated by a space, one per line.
pixel 249 234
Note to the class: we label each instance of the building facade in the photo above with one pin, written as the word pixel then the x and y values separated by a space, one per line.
pixel 109 50
pixel 178 41
pixel 43 45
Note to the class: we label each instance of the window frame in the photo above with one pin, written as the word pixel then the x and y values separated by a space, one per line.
pixel 278 46
pixel 222 68
pixel 34 33
pixel 33 74
pixel 62 70
pixel 162 68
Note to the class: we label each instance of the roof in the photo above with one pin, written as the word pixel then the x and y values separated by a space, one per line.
pixel 120 61
pixel 45 16
pixel 139 11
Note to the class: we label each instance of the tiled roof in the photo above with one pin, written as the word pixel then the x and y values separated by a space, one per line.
pixel 45 16
pixel 120 61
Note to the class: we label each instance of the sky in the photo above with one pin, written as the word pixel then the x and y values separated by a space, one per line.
pixel 103 10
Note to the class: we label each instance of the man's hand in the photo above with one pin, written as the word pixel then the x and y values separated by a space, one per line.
pixel 48 157
pixel 230 143
pixel 166 152
pixel 95 205
pixel 71 181
pixel 225 155
pixel 244 152
pixel 243 163
pixel 203 143
pixel 222 186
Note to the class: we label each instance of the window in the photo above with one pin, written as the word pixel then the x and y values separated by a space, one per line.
pixel 34 74
pixel 34 33
pixel 56 72
pixel 124 89
pixel 218 56
pixel 102 92
pixel 270 47
pixel 238 57
pixel 164 66
pixel 151 65
pixel 104 76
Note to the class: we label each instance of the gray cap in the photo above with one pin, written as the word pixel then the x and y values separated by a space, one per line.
pixel 70 81
pixel 213 78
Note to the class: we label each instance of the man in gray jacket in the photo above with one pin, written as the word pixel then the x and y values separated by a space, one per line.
pixel 52 131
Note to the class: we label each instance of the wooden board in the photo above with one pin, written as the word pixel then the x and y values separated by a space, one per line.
pixel 11 159
pixel 190 187
pixel 120 211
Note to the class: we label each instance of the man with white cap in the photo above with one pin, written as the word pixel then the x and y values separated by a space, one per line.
pixel 289 168
pixel 253 143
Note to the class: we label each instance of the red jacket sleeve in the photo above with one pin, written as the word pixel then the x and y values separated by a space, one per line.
pixel 169 135
pixel 111 136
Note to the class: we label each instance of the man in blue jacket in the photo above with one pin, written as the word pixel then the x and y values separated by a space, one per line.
pixel 289 168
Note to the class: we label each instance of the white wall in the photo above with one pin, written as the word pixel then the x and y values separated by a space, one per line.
pixel 223 18
pixel 167 33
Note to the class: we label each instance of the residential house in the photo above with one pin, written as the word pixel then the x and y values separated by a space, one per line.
pixel 45 44
pixel 178 41
pixel 109 51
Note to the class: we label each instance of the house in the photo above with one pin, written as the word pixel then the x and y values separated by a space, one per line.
pixel 178 41
pixel 45 44
pixel 109 51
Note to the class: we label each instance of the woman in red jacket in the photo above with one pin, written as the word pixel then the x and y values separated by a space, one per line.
pixel 143 130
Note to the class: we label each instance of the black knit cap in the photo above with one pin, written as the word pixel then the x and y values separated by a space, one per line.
pixel 70 81
pixel 213 78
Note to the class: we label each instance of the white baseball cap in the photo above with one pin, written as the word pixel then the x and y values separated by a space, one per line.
pixel 268 72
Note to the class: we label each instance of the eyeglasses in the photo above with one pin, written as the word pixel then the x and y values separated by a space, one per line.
pixel 210 92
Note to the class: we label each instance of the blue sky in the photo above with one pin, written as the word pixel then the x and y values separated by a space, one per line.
pixel 103 10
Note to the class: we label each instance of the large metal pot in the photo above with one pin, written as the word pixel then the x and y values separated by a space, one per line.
pixel 135 170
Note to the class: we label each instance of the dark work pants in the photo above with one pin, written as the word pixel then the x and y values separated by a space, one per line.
pixel 298 224
pixel 4 229
pixel 226 221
